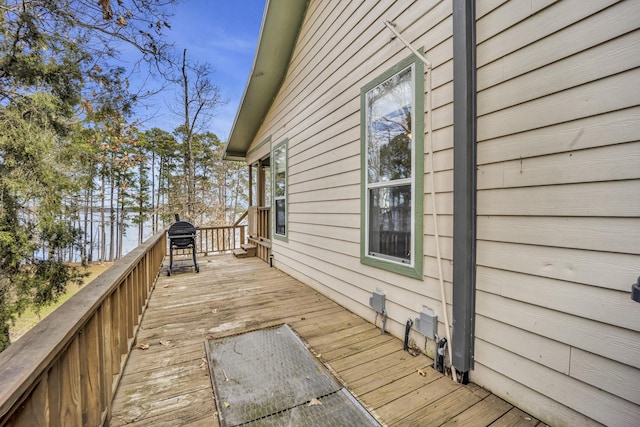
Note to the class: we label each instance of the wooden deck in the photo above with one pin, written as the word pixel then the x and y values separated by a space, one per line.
pixel 168 382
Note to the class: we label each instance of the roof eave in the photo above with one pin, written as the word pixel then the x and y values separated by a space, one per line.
pixel 281 24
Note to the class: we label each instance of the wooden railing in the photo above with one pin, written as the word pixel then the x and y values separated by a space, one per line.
pixel 252 221
pixel 260 231
pixel 66 369
pixel 217 240
pixel 264 225
pixel 212 240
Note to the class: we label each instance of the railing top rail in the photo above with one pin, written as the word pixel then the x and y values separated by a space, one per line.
pixel 218 227
pixel 26 359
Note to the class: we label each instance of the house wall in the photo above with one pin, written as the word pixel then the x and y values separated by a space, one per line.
pixel 558 188
pixel 343 46
pixel 558 205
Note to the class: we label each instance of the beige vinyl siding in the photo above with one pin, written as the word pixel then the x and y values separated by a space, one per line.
pixel 342 46
pixel 558 188
pixel 558 208
pixel 260 149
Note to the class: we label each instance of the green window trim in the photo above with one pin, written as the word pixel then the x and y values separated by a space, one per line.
pixel 280 190
pixel 414 266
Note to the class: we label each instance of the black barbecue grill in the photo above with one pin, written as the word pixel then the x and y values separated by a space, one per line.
pixel 182 235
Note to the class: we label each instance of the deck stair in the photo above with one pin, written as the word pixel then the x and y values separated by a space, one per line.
pixel 246 250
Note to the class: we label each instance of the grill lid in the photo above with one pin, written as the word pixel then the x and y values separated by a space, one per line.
pixel 182 228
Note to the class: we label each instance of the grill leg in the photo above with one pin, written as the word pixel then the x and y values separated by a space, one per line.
pixel 170 260
pixel 193 252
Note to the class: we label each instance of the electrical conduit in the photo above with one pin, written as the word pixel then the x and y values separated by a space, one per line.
pixel 432 190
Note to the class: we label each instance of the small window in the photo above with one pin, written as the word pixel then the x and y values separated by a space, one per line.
pixel 279 167
pixel 392 116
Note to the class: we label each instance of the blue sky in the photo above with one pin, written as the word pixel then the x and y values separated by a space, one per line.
pixel 224 34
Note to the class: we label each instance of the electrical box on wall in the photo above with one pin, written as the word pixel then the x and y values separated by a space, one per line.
pixel 427 323
pixel 377 301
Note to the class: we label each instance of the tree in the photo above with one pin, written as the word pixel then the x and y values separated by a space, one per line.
pixel 143 196
pixel 165 155
pixel 224 181
pixel 52 54
pixel 199 100
pixel 33 228
pixel 107 114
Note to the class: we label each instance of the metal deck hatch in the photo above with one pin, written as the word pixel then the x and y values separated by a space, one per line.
pixel 269 378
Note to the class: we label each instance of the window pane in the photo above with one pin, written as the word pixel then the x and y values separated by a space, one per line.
pixel 279 184
pixel 280 217
pixel 280 171
pixel 267 186
pixel 390 221
pixel 389 120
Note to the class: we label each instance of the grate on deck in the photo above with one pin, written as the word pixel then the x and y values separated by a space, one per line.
pixel 268 377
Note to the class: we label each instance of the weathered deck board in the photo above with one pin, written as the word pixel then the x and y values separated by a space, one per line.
pixel 169 384
pixel 443 409
pixel 482 413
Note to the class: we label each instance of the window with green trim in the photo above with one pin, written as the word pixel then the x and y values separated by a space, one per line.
pixel 392 129
pixel 279 206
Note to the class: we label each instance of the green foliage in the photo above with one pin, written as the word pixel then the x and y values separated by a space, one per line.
pixel 69 146
pixel 166 159
pixel 52 57
pixel 32 188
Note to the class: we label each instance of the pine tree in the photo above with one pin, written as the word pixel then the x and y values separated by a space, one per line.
pixel 51 58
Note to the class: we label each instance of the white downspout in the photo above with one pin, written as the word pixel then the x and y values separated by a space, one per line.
pixel 432 190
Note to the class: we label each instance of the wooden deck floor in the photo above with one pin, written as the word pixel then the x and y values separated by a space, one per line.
pixel 168 383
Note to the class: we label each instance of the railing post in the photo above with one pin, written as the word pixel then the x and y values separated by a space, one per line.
pixel 66 369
